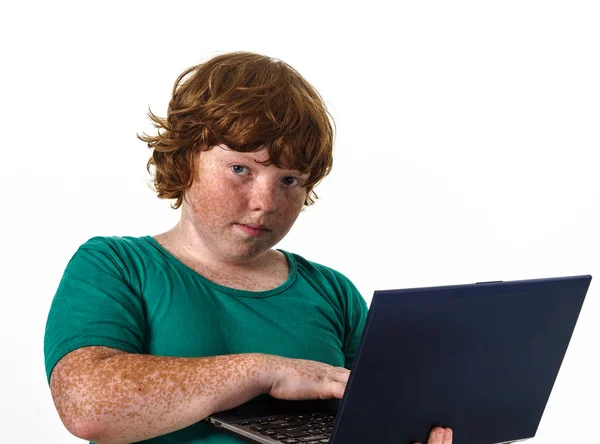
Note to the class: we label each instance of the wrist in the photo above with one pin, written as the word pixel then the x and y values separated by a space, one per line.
pixel 267 368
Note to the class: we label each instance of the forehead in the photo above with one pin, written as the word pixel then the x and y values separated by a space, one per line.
pixel 224 152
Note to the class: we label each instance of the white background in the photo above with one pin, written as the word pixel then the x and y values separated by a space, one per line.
pixel 466 151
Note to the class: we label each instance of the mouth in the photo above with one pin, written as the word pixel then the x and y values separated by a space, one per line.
pixel 253 229
pixel 257 227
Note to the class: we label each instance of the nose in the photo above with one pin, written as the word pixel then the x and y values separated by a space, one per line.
pixel 263 197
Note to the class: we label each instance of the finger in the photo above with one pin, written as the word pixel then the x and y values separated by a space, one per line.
pixel 436 436
pixel 338 390
pixel 447 436
pixel 341 370
pixel 340 375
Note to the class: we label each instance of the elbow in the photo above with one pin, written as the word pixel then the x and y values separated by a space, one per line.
pixel 77 413
pixel 74 389
pixel 92 430
pixel 79 421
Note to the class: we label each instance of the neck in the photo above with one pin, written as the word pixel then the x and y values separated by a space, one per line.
pixel 184 240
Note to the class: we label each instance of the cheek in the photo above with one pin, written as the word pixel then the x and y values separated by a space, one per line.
pixel 214 203
pixel 293 206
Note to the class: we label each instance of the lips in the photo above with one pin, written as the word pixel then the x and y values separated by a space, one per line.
pixel 257 227
pixel 253 229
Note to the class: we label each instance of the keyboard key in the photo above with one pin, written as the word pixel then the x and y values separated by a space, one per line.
pixel 311 438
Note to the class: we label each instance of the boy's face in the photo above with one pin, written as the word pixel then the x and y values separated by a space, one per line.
pixel 240 208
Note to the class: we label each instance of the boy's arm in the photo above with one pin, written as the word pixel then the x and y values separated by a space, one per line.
pixel 107 395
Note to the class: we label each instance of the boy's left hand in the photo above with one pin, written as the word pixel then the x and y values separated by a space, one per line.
pixel 440 436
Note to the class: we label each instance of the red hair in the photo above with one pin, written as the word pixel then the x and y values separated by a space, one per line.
pixel 245 101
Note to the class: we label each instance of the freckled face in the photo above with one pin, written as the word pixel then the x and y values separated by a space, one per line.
pixel 240 208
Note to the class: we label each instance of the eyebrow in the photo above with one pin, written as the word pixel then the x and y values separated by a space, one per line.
pixel 295 172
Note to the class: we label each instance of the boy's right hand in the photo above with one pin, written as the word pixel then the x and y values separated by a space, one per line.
pixel 299 379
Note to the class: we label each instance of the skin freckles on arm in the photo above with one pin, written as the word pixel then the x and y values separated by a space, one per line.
pixel 108 395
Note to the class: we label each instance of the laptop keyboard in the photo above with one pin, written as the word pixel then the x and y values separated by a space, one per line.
pixel 313 428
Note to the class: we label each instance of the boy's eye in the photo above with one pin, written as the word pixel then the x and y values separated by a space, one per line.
pixel 239 169
pixel 290 181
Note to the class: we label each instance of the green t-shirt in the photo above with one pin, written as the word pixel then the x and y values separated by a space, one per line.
pixel 132 294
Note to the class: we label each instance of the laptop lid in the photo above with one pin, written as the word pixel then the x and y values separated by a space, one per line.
pixel 479 358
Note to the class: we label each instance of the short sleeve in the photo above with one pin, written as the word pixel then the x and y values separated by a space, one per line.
pixel 354 334
pixel 93 306
pixel 357 316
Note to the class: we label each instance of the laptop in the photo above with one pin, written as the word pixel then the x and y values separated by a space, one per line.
pixel 479 358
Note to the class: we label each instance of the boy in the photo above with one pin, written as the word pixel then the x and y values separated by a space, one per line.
pixel 148 336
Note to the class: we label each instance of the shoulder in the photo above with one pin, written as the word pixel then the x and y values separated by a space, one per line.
pixel 114 243
pixel 124 255
pixel 311 267
pixel 124 248
pixel 319 275
pixel 331 284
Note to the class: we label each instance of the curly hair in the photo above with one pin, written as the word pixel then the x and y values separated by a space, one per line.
pixel 247 102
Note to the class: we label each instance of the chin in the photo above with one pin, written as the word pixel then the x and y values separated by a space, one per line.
pixel 244 256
